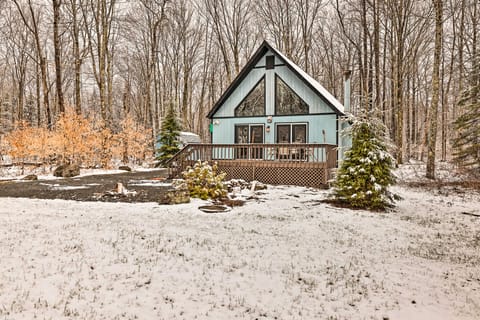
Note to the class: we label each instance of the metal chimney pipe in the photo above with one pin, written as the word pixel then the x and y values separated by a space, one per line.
pixel 346 90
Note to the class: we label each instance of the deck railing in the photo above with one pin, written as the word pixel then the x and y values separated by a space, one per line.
pixel 282 157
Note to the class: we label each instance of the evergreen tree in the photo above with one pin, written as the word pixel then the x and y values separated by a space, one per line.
pixel 366 173
pixel 168 136
pixel 467 140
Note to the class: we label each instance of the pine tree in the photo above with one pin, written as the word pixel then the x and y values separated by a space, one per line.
pixel 168 137
pixel 366 173
pixel 467 140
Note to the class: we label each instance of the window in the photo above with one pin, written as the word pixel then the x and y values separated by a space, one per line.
pixel 291 133
pixel 287 102
pixel 269 62
pixel 254 102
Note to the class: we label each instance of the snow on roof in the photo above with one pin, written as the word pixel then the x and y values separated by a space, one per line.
pixel 189 137
pixel 314 83
pixel 186 133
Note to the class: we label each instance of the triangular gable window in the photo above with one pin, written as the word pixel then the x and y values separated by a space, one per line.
pixel 254 102
pixel 287 102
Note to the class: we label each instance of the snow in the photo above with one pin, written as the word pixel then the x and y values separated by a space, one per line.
pixel 284 256
pixel 59 187
pixel 150 183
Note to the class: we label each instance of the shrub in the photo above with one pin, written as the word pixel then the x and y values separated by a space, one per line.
pixel 366 173
pixel 204 182
pixel 132 143
pixel 19 142
pixel 77 139
pixel 72 137
pixel 168 137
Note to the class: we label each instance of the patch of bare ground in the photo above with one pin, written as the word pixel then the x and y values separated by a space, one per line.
pixel 141 187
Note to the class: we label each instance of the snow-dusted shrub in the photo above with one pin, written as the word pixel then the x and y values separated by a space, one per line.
pixel 204 182
pixel 366 173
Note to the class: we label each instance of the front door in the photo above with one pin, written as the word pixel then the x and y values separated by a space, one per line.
pixel 256 136
pixel 247 134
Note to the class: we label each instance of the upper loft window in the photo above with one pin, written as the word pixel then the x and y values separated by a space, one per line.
pixel 254 102
pixel 287 102
pixel 269 62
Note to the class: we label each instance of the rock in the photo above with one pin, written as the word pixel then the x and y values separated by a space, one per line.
pixel 256 185
pixel 67 170
pixel 125 168
pixel 120 189
pixel 175 196
pixel 233 202
pixel 30 177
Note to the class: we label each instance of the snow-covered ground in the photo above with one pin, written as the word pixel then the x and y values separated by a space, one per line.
pixel 283 256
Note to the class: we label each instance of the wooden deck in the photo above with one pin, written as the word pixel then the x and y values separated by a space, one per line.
pixel 292 164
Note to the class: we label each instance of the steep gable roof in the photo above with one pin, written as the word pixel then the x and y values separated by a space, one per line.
pixel 307 79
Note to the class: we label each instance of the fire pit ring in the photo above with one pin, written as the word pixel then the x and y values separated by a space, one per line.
pixel 214 208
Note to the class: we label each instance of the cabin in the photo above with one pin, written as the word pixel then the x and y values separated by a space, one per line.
pixel 274 123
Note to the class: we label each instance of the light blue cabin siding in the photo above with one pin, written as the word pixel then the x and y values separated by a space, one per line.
pixel 224 129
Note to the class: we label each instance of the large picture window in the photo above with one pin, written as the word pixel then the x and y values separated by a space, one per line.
pixel 287 102
pixel 254 102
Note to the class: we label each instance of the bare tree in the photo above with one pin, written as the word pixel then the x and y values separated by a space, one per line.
pixel 154 12
pixel 98 20
pixel 77 33
pixel 231 26
pixel 17 44
pixel 30 18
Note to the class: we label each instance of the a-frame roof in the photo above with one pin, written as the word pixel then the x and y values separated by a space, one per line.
pixel 307 79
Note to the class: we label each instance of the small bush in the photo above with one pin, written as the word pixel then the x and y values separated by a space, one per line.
pixel 168 137
pixel 204 182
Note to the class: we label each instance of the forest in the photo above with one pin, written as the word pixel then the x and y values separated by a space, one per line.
pixel 415 64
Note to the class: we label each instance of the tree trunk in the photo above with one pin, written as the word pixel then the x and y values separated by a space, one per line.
pixel 76 57
pixel 37 88
pixel 432 134
pixel 57 49
pixel 376 52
